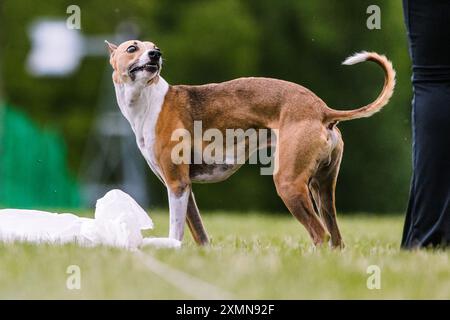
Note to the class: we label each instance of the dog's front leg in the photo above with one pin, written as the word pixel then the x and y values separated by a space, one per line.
pixel 178 203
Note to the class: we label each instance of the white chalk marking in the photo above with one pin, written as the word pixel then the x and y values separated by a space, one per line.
pixel 188 284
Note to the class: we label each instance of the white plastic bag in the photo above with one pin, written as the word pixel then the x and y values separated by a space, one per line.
pixel 38 226
pixel 118 222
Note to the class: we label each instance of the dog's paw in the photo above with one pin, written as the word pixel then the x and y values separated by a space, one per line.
pixel 340 245
pixel 160 243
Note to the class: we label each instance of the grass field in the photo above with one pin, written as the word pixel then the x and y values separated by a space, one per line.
pixel 253 256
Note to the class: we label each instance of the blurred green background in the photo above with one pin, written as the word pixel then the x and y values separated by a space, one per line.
pixel 216 40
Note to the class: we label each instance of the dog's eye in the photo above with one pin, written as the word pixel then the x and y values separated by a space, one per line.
pixel 132 49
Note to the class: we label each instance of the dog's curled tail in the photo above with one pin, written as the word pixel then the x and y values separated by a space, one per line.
pixel 388 89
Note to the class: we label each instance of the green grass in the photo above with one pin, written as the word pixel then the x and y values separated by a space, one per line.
pixel 252 256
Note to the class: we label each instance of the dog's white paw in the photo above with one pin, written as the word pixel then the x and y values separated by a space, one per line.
pixel 160 243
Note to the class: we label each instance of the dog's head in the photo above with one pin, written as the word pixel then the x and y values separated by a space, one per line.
pixel 135 61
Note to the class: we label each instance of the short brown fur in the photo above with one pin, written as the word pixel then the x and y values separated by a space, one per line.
pixel 309 147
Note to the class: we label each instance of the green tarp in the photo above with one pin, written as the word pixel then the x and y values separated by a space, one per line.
pixel 33 166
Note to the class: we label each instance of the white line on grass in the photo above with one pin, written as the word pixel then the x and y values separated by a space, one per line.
pixel 188 284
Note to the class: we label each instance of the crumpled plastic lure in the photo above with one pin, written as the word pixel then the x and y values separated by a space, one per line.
pixel 118 222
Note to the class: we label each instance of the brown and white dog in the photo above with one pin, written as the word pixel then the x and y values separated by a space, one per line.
pixel 309 145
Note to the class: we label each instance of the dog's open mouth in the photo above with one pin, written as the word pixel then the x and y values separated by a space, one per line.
pixel 149 66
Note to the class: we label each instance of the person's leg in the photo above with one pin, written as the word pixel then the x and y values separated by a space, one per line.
pixel 428 215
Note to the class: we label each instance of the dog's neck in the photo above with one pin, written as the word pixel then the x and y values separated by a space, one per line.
pixel 138 98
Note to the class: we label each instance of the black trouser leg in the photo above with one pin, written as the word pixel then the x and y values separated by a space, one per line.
pixel 428 214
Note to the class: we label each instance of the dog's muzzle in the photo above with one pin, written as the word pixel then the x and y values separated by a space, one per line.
pixel 152 66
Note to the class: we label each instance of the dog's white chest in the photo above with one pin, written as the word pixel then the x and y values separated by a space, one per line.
pixel 145 139
pixel 143 116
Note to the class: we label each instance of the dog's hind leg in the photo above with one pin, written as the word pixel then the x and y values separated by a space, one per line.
pixel 326 178
pixel 293 176
pixel 195 224
pixel 297 199
pixel 315 196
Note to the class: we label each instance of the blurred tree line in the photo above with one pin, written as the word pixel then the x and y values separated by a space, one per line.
pixel 217 40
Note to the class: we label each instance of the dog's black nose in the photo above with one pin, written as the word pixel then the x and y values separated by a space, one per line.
pixel 154 54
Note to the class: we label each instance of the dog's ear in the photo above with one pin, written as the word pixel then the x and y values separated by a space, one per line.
pixel 111 47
